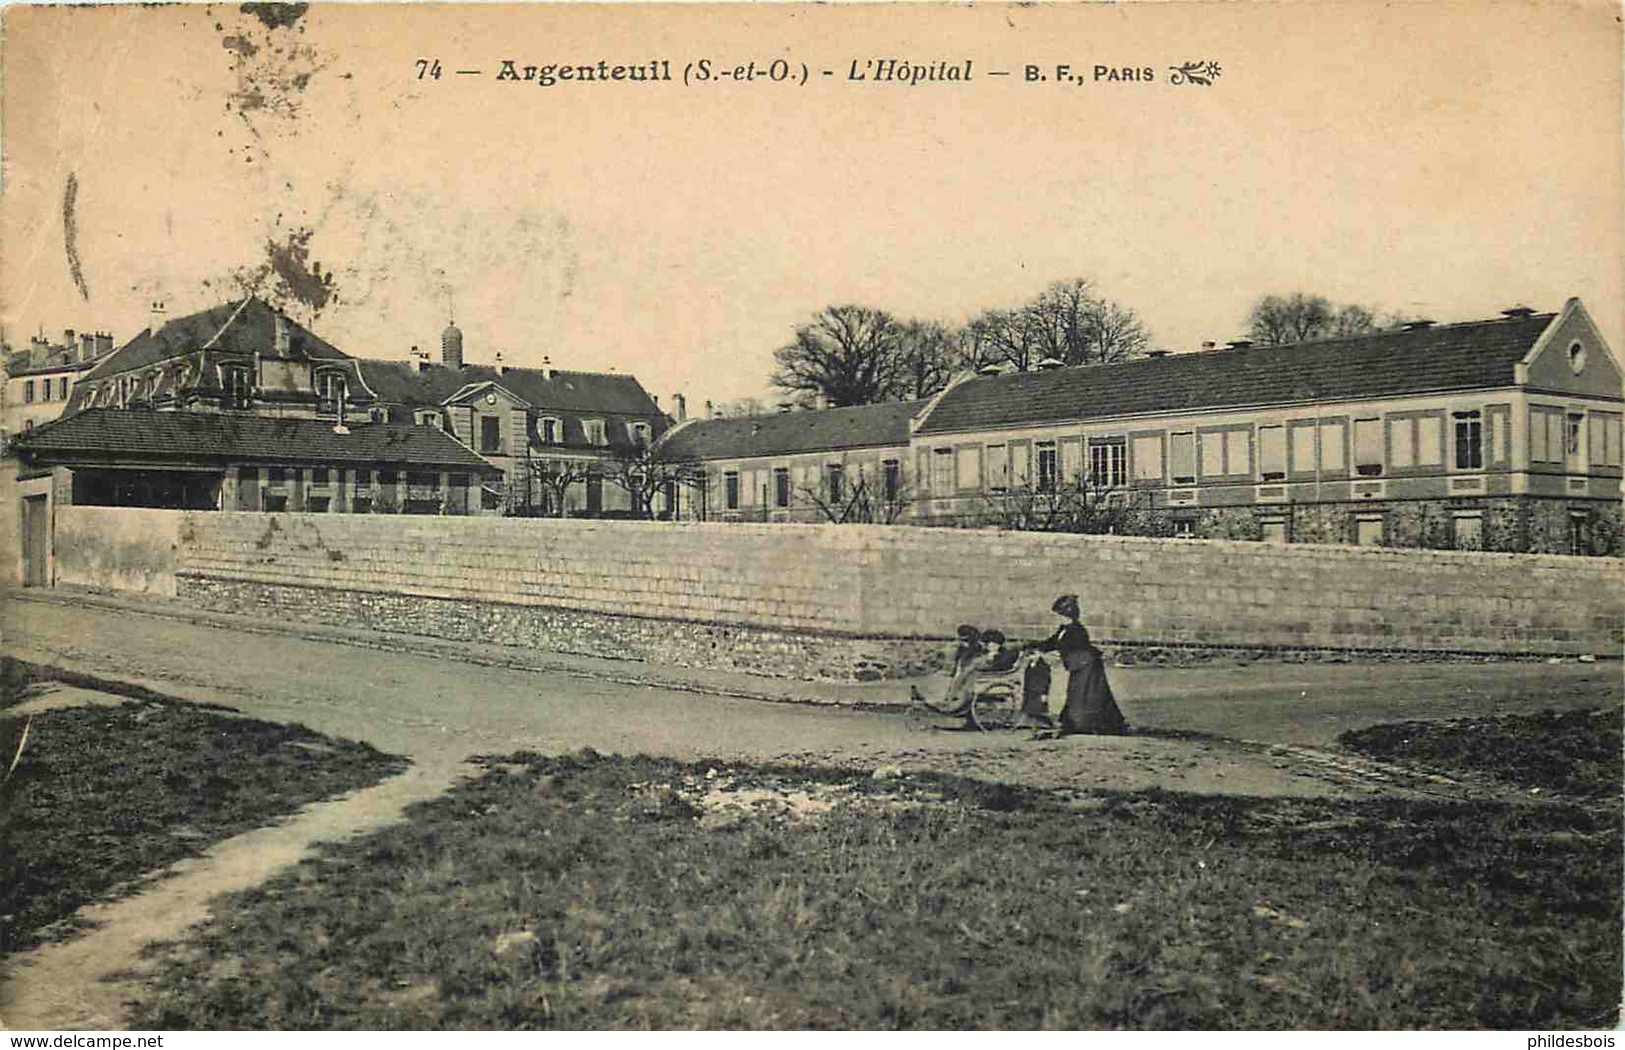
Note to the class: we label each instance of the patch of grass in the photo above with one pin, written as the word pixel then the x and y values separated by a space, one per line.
pixel 1573 752
pixel 587 892
pixel 104 795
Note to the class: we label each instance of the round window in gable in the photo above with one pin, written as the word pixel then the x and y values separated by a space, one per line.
pixel 1577 357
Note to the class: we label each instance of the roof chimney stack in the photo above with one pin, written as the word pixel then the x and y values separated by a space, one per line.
pixel 157 314
pixel 547 367
pixel 1050 364
pixel 104 343
pixel 502 369
pixel 1158 354
pixel 1238 344
pixel 1417 326
pixel 710 410
pixel 679 407
pixel 1518 311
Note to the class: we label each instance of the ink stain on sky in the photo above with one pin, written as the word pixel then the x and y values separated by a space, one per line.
pixel 70 235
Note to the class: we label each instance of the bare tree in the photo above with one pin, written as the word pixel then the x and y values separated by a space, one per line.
pixel 1276 320
pixel 927 357
pixel 554 477
pixel 859 500
pixel 647 471
pixel 1079 505
pixel 1067 322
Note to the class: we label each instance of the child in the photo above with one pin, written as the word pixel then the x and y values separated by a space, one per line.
pixel 1035 695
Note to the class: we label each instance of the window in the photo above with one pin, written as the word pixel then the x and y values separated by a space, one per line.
pixel 319 504
pixel 1401 443
pixel 1605 439
pixel 1545 434
pixel 1368 447
pixel 730 489
pixel 1182 458
pixel 1469 427
pixel 837 482
pixel 781 486
pixel 386 477
pixel 594 429
pixel 1333 447
pixel 1573 446
pixel 1304 459
pixel 363 479
pixel 318 476
pixel 236 386
pixel 1273 530
pixel 998 467
pixel 639 433
pixel 942 471
pixel 429 417
pixel 1429 441
pixel 1226 453
pixel 1368 530
pixel 276 476
pixel 551 431
pixel 276 501
pixel 490 434
pixel 1148 458
pixel 1108 468
pixel 28 391
pixel 1579 532
pixel 331 390
pixel 1048 468
pixel 1467 530
pixel 1272 453
pixel 1185 527
pixel 62 388
pixel 1021 464
pixel 968 468
pixel 891 479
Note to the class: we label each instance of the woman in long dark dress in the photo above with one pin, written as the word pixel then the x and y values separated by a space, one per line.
pixel 1090 706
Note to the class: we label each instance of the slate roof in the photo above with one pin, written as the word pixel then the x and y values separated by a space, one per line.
pixel 786 433
pixel 594 393
pixel 214 437
pixel 235 327
pixel 1471 355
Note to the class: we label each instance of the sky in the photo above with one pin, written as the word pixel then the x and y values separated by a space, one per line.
pixel 1441 160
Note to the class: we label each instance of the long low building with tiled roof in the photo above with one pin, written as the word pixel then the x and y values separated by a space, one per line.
pixel 1500 434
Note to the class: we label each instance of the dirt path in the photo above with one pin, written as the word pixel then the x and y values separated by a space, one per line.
pixel 439 712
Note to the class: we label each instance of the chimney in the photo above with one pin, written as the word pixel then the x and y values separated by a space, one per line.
pixel 656 399
pixel 989 370
pixel 1208 344
pixel 710 410
pixel 157 321
pixel 39 348
pixel 502 369
pixel 547 367
pixel 1050 364
pixel 69 340
pixel 1238 344
pixel 1417 326
pixel 420 360
pixel 87 347
pixel 1518 311
pixel 1158 354
pixel 282 336
pixel 679 407
pixel 104 343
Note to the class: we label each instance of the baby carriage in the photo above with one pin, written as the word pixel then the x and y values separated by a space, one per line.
pixel 997 700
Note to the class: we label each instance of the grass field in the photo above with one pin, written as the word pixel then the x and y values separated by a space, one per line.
pixel 105 795
pixel 593 892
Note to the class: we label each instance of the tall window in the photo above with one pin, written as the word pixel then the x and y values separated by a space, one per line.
pixel 1148 458
pixel 730 489
pixel 237 386
pixel 1333 447
pixel 62 388
pixel 1108 468
pixel 1047 466
pixel 998 467
pixel 490 434
pixel 28 392
pixel 1368 447
pixel 892 478
pixel 594 429
pixel 837 483
pixel 1401 443
pixel 1182 458
pixel 1545 434
pixel 781 486
pixel 942 471
pixel 968 468
pixel 1469 428
pixel 331 390
pixel 552 431
pixel 1272 453
pixel 1573 446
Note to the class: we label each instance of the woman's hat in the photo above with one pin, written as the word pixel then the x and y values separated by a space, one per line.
pixel 969 632
pixel 992 635
pixel 1066 605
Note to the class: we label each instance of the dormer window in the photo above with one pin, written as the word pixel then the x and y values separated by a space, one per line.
pixel 428 417
pixel 235 386
pixel 550 430
pixel 639 433
pixel 331 388
pixel 594 429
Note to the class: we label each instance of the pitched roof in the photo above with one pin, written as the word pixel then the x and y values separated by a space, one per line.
pixel 594 393
pixel 135 433
pixel 746 437
pixel 1471 355
pixel 241 326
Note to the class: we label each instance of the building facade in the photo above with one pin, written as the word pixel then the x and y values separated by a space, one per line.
pixel 530 440
pixel 39 381
pixel 1502 434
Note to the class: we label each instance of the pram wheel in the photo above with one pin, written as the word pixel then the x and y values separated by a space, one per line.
pixel 995 709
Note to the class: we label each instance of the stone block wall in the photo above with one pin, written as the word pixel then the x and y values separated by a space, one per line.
pixel 866 601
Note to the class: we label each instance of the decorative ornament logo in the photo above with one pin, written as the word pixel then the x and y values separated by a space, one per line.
pixel 1204 73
